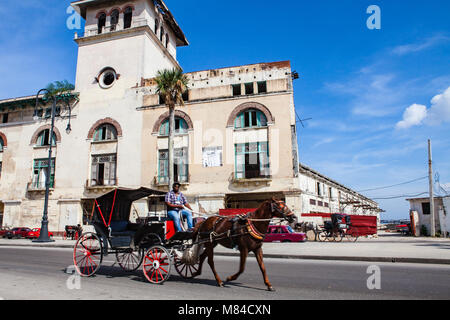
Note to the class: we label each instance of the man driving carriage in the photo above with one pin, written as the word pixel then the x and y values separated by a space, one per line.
pixel 176 203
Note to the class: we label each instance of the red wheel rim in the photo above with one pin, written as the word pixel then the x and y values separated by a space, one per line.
pixel 87 255
pixel 157 265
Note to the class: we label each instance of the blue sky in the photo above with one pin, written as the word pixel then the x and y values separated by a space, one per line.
pixel 375 96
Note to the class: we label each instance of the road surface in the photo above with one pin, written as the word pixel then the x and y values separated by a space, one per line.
pixel 39 273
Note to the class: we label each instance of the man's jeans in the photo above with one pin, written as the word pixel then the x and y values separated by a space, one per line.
pixel 175 217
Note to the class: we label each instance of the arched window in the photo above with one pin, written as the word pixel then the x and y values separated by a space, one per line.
pixel 43 139
pixel 161 36
pixel 181 127
pixel 114 19
pixel 251 118
pixel 156 26
pixel 127 17
pixel 101 22
pixel 167 40
pixel 105 132
pixel 2 144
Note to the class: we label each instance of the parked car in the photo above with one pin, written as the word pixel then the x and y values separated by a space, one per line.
pixel 3 232
pixel 284 234
pixel 17 233
pixel 35 233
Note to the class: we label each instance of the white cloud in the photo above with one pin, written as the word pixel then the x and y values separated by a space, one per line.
pixel 416 47
pixel 417 114
pixel 440 108
pixel 413 116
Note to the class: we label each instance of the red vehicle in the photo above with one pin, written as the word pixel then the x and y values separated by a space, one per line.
pixel 284 234
pixel 34 233
pixel 3 232
pixel 17 233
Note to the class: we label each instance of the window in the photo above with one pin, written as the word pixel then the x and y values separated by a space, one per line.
pixel 40 173
pixel 2 144
pixel 319 189
pixel 103 171
pixel 426 208
pixel 161 36
pixel 127 17
pixel 330 192
pixel 212 157
pixel 181 166
pixel 251 119
pixel 326 205
pixel 167 40
pixel 312 202
pixel 252 160
pixel 107 78
pixel 156 26
pixel 236 90
pixel 249 88
pixel 186 95
pixel 181 127
pixel 101 23
pixel 162 99
pixel 43 139
pixel 105 132
pixel 114 19
pixel 262 87
pixel 320 203
pixel 5 118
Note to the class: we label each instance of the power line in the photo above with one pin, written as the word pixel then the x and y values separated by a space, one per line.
pixel 395 185
pixel 401 196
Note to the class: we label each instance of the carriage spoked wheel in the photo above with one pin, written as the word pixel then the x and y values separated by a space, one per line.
pixel 130 260
pixel 323 236
pixel 157 265
pixel 337 237
pixel 184 269
pixel 88 254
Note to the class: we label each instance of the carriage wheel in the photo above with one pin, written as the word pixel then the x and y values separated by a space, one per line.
pixel 157 265
pixel 337 237
pixel 88 254
pixel 130 260
pixel 186 271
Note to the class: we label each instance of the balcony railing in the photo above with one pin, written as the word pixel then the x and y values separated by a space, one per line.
pixel 90 32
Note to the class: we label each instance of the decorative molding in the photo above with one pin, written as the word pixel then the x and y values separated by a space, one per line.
pixel 110 121
pixel 250 105
pixel 38 131
pixel 178 114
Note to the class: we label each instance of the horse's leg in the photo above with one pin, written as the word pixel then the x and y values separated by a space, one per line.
pixel 259 258
pixel 210 253
pixel 244 254
pixel 200 266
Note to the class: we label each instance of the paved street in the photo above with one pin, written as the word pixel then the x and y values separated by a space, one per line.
pixel 38 273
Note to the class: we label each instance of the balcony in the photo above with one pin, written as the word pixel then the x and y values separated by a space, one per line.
pixel 94 186
pixel 251 180
pixel 38 188
pixel 163 182
pixel 91 32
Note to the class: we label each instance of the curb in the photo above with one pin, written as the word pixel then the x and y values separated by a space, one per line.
pixel 283 256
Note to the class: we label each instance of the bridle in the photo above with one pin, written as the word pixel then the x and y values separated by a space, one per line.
pixel 281 208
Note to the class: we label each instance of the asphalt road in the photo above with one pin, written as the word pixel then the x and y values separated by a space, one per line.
pixel 38 273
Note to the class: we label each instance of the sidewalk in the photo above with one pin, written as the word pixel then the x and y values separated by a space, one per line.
pixel 385 248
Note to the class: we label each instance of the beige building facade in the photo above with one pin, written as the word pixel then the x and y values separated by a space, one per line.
pixel 236 141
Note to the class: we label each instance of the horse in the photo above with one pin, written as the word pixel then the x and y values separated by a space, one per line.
pixel 244 232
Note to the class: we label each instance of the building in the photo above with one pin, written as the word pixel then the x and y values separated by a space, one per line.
pixel 422 207
pixel 236 140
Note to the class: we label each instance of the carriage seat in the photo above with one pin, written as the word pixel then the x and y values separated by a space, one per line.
pixel 122 229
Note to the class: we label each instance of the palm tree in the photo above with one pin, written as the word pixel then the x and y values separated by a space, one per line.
pixel 171 84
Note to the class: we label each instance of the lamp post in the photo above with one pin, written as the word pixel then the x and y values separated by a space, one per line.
pixel 43 236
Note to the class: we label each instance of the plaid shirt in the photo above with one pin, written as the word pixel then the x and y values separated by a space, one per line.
pixel 171 198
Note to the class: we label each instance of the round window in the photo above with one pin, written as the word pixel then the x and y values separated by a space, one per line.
pixel 107 78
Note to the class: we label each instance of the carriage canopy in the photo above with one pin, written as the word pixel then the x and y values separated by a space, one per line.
pixel 116 205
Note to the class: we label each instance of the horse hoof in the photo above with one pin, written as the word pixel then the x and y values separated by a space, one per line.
pixel 271 289
pixel 221 285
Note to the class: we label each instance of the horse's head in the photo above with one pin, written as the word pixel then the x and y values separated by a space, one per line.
pixel 281 210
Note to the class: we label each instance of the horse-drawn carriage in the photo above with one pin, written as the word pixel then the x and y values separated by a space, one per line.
pixel 157 247
pixel 337 229
pixel 153 243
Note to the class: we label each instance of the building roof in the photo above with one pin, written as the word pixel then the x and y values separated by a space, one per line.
pixel 425 199
pixel 82 5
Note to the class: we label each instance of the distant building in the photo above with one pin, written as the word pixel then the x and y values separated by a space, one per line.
pixel 423 209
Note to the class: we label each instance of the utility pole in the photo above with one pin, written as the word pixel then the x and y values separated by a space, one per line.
pixel 430 178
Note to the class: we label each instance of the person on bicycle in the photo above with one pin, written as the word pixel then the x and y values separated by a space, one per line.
pixel 176 203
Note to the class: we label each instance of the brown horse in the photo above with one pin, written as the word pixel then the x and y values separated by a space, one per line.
pixel 246 233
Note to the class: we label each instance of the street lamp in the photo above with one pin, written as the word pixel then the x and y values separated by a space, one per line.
pixel 43 236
